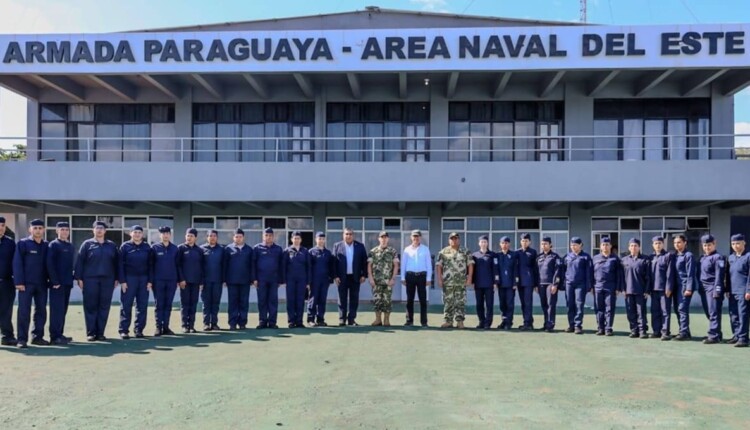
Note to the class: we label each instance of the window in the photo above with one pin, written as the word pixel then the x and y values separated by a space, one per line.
pixel 108 132
pixel 505 131
pixel 119 227
pixel 366 230
pixel 621 229
pixel 652 129
pixel 253 227
pixel 472 228
pixel 253 131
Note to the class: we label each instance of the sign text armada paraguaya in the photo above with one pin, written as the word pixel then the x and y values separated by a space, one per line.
pixel 374 48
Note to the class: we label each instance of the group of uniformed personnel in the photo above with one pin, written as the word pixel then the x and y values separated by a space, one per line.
pixel 40 272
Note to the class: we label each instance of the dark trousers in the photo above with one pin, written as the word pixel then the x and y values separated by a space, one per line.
pixel 704 302
pixel 738 316
pixel 137 293
pixel 635 304
pixel 295 300
pixel 7 297
pixel 211 297
pixel 317 304
pixel 416 283
pixel 348 298
pixel 189 303
pixel 683 311
pixel 238 304
pixel 59 299
pixel 507 299
pixel 661 312
pixel 526 295
pixel 97 301
pixel 268 301
pixel 605 309
pixel 549 305
pixel 37 294
pixel 576 297
pixel 714 315
pixel 163 297
pixel 485 305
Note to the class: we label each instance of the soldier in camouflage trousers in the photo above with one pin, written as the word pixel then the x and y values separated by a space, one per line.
pixel 382 267
pixel 455 269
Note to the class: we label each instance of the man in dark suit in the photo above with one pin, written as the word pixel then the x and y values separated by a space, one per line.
pixel 350 272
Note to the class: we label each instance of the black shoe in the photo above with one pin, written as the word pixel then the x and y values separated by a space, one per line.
pixel 424 325
pixel 353 323
pixel 68 338
pixel 321 324
pixel 243 327
pixel 167 332
pixel 666 337
pixel 525 328
pixel 207 328
pixel 193 330
pixel 158 332
pixel 479 327
pixel 39 342
pixel 91 338
pixel 342 323
pixel 742 344
pixel 185 330
pixel 101 338
pixel 501 327
pixel 124 336
pixel 609 333
pixel 682 337
pixel 258 327
pixel 710 340
pixel 234 327
pixel 578 330
pixel 633 335
pixel 9 341
pixel 292 325
pixel 215 327
pixel 59 341
pixel 644 336
pixel 569 330
pixel 732 341
pixel 139 335
pixel 656 336
pixel 273 326
pixel 408 324
pixel 600 332
pixel 21 345
pixel 300 325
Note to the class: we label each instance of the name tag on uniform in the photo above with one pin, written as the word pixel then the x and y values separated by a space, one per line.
pixel 186 252
pixel 32 252
pixel 159 253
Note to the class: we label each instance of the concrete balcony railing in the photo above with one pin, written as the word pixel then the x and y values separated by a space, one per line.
pixel 380 149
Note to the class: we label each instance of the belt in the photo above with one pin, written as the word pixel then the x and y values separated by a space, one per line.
pixel 416 273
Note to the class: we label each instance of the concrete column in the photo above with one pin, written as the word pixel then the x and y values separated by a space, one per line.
pixel 579 121
pixel 32 130
pixel 580 225
pixel 183 219
pixel 722 122
pixel 183 120
pixel 435 211
pixel 720 221
pixel 438 122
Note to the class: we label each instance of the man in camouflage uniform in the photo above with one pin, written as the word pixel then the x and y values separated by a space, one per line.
pixel 455 270
pixel 382 267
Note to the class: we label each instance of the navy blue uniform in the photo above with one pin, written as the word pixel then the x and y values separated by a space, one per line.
pixel 608 281
pixel 97 266
pixel 662 284
pixel 238 274
pixel 739 285
pixel 267 272
pixel 350 282
pixel 322 277
pixel 135 272
pixel 30 270
pixel 685 281
pixel 60 270
pixel 637 273
pixel 551 274
pixel 189 271
pixel 164 276
pixel 213 270
pixel 579 279
pixel 506 278
pixel 712 273
pixel 296 270
pixel 485 273
pixel 7 289
pixel 528 279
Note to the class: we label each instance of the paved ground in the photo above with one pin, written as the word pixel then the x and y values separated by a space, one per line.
pixel 376 378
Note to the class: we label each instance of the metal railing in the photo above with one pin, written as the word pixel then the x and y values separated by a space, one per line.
pixel 379 149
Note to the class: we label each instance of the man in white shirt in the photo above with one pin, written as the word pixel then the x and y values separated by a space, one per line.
pixel 416 274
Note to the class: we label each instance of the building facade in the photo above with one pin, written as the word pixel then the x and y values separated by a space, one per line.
pixel 384 120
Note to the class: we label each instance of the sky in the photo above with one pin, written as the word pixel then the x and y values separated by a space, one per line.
pixel 104 16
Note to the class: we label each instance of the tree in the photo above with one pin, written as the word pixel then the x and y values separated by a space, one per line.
pixel 17 153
